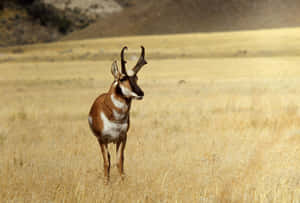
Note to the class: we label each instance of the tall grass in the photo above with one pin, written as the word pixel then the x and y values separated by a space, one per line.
pixel 230 133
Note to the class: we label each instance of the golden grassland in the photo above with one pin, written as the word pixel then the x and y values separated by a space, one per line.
pixel 262 43
pixel 229 133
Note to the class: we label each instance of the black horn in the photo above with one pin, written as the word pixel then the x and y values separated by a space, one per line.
pixel 141 62
pixel 123 62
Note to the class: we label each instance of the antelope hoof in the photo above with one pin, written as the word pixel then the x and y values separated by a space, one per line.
pixel 106 181
pixel 123 176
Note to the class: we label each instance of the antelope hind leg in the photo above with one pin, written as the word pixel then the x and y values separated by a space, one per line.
pixel 120 146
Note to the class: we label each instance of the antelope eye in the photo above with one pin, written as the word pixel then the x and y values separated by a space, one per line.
pixel 122 79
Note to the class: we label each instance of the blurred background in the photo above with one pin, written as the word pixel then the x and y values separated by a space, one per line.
pixel 32 21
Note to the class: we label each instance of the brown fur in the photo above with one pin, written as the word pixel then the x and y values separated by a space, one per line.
pixel 104 104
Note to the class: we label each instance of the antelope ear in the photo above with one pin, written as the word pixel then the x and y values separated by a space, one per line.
pixel 114 70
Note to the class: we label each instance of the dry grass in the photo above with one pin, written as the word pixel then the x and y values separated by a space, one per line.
pixel 231 133
pixel 263 43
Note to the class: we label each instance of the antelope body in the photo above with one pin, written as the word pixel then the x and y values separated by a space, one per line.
pixel 109 114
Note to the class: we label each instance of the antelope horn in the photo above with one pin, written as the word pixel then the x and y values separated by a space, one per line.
pixel 123 62
pixel 141 62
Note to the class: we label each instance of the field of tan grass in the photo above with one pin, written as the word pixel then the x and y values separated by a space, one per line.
pixel 229 133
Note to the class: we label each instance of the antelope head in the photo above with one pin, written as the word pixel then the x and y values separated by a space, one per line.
pixel 126 81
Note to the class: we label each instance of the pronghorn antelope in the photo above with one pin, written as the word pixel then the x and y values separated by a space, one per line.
pixel 109 115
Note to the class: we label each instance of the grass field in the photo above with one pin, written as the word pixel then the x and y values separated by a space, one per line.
pixel 229 133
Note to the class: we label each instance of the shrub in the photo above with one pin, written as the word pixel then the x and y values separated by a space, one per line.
pixel 50 16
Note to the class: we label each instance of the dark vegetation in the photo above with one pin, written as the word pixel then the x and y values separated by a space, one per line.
pixel 49 16
pixel 32 21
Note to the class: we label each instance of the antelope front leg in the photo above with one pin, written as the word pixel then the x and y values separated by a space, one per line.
pixel 120 157
pixel 106 160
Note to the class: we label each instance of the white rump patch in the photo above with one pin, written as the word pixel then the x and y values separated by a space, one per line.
pixel 120 105
pixel 111 130
pixel 90 119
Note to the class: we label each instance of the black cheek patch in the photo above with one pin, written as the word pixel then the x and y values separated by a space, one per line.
pixel 135 88
pixel 118 90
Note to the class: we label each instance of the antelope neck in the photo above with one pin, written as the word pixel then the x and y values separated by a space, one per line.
pixel 118 100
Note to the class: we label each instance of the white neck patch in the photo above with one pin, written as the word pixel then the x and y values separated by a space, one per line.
pixel 119 116
pixel 120 105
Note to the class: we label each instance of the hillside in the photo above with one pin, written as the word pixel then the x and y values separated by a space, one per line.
pixel 36 21
pixel 184 16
